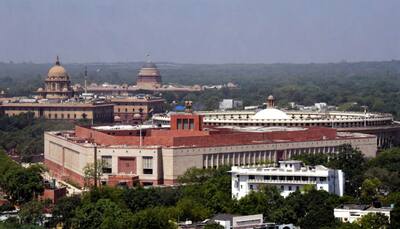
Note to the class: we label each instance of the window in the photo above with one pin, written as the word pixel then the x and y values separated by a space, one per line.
pixel 107 164
pixel 282 187
pixel 322 179
pixel 191 124
pixel 251 187
pixel 147 165
pixel 185 124
pixel 297 188
pixel 267 177
pixel 179 123
pixel 290 188
pixel 251 177
pixel 274 177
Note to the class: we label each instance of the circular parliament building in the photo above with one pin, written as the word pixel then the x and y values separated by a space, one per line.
pixel 380 124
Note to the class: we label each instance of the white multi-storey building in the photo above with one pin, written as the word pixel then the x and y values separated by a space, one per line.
pixel 288 176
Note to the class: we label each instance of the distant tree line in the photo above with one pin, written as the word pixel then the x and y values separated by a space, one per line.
pixel 348 85
pixel 22 135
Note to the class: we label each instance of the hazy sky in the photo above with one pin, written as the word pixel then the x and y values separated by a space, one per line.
pixel 200 31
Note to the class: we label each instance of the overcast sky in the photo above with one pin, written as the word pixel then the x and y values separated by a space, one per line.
pixel 200 31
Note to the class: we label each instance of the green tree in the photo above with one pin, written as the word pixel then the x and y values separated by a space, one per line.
pixel 64 210
pixel 90 172
pixel 388 159
pixel 32 212
pixel 265 201
pixel 373 221
pixel 102 214
pixel 353 164
pixel 155 218
pixel 370 190
pixel 313 159
pixel 213 226
pixel 192 210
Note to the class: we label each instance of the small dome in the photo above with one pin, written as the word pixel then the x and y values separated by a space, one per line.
pixel 65 89
pixel 270 113
pixel 137 116
pixel 40 89
pixel 270 97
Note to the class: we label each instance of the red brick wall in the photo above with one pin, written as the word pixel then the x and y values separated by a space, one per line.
pixel 198 121
pixel 127 165
pixel 53 194
pixel 64 174
pixel 114 180
pixel 176 137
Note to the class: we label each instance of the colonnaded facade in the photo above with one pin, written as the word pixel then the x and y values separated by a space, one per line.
pixel 380 124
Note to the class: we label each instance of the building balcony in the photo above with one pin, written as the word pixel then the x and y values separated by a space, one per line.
pixel 262 181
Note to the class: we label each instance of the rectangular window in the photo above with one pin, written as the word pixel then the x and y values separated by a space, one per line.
pixel 185 124
pixel 251 177
pixel 267 177
pixel 147 165
pixel 107 164
pixel 191 124
pixel 322 179
pixel 179 123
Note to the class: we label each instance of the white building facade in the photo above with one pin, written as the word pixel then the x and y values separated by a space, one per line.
pixel 288 177
pixel 349 213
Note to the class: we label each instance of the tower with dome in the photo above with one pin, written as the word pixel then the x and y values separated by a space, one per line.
pixel 149 76
pixel 57 83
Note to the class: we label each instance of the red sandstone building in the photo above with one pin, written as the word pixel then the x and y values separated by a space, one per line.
pixel 154 156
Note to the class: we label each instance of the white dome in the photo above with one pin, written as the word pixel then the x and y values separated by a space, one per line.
pixel 270 113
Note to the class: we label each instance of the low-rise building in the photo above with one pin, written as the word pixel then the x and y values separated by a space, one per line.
pixel 137 108
pixel 287 176
pixel 159 155
pixel 228 104
pixel 98 112
pixel 349 213
pixel 229 221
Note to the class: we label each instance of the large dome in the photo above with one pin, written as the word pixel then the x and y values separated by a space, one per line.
pixel 270 113
pixel 57 71
pixel 149 69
